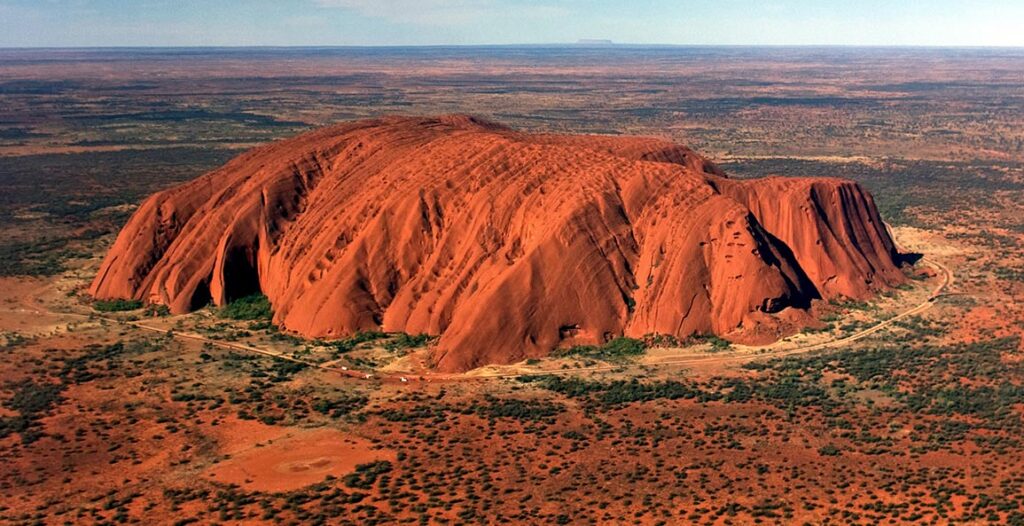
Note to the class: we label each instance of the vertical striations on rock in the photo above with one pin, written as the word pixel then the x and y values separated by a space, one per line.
pixel 505 244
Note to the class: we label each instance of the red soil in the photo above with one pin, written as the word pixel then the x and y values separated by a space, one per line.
pixel 505 244
pixel 293 459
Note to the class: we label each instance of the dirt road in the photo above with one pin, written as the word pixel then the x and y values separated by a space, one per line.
pixel 744 354
pixel 740 354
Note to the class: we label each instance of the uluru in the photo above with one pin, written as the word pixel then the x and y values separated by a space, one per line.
pixel 504 244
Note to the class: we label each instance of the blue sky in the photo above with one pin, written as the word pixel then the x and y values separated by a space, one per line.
pixel 416 22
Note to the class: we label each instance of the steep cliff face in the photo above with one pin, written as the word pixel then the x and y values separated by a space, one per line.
pixel 832 227
pixel 506 245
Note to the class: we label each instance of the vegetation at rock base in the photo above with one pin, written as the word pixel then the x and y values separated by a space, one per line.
pixel 617 349
pixel 117 305
pixel 248 308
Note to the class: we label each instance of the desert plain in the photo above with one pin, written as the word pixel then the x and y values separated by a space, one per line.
pixel 905 407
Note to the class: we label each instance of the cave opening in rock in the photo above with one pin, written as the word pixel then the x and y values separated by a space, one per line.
pixel 201 296
pixel 241 276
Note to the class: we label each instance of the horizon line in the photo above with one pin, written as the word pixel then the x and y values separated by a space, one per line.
pixel 516 45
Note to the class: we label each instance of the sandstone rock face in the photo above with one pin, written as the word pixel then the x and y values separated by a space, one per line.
pixel 505 244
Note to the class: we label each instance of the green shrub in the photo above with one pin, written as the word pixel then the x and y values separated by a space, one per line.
pixel 32 401
pixel 44 257
pixel 254 307
pixel 829 450
pixel 618 348
pixel 158 310
pixel 408 341
pixel 340 405
pixel 367 474
pixel 717 343
pixel 118 305
pixel 349 344
pixel 517 409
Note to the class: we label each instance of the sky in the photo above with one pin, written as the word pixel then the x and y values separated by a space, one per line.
pixel 67 23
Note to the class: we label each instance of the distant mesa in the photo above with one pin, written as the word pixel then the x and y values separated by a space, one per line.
pixel 504 244
pixel 595 42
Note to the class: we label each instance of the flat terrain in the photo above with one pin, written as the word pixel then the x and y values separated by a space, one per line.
pixel 903 409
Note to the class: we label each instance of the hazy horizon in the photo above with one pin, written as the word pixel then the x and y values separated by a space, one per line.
pixel 404 23
pixel 524 45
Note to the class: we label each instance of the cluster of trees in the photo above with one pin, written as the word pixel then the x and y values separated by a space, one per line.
pixel 250 308
pixel 617 349
pixel 366 475
pixel 117 305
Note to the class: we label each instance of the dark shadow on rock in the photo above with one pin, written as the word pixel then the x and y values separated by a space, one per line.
pixel 910 258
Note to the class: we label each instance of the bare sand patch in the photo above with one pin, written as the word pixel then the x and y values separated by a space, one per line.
pixel 20 310
pixel 293 459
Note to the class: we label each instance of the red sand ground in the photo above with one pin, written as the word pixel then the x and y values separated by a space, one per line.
pixel 274 459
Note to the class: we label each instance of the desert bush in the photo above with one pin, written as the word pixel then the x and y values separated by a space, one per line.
pixel 366 475
pixel 117 305
pixel 249 308
pixel 408 341
pixel 617 349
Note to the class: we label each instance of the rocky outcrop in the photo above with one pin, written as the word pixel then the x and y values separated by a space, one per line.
pixel 506 245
